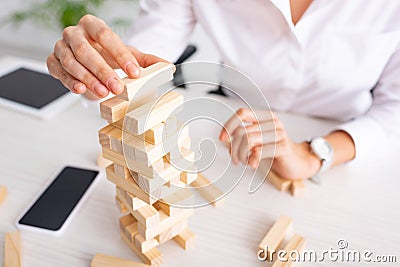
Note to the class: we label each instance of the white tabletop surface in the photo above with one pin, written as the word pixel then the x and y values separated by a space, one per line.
pixel 356 202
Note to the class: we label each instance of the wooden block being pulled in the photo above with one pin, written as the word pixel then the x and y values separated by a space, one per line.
pixel 208 190
pixel 185 239
pixel 276 234
pixel 279 183
pixel 298 188
pixel 3 193
pixel 151 77
pixel 296 243
pixel 13 250
pixel 149 115
pixel 101 260
pixel 113 109
pixel 152 257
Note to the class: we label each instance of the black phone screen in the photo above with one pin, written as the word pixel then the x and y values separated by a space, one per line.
pixel 31 88
pixel 52 208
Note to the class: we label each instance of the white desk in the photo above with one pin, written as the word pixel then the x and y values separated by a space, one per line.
pixel 359 203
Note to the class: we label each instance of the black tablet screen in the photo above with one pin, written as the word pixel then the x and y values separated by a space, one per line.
pixel 31 88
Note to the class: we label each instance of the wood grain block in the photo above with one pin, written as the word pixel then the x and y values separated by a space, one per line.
pixel 13 250
pixel 104 136
pixel 121 171
pixel 280 183
pixel 132 164
pixel 3 193
pixel 166 222
pixel 130 201
pixel 121 207
pixel 174 203
pixel 208 190
pixel 149 115
pixel 113 109
pixel 102 162
pixel 111 137
pixel 298 188
pixel 131 231
pixel 129 186
pixel 152 257
pixel 185 239
pixel 145 245
pixel 126 220
pixel 296 243
pixel 151 77
pixel 172 232
pixel 101 260
pixel 276 234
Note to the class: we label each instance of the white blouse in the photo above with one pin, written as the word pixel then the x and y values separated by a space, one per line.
pixel 340 61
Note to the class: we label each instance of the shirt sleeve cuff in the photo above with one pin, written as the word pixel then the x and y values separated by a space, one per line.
pixel 368 136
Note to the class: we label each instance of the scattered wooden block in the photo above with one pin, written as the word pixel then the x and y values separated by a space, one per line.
pixel 152 257
pixel 296 243
pixel 3 193
pixel 279 183
pixel 298 188
pixel 151 77
pixel 166 222
pixel 145 245
pixel 208 190
pixel 113 109
pixel 276 234
pixel 185 239
pixel 149 115
pixel 101 260
pixel 13 250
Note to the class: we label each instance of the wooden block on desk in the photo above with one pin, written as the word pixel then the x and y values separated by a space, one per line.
pixel 101 260
pixel 13 250
pixel 151 77
pixel 3 193
pixel 185 239
pixel 152 257
pixel 296 243
pixel 279 183
pixel 145 245
pixel 208 190
pixel 149 115
pixel 113 109
pixel 276 234
pixel 166 222
pixel 298 188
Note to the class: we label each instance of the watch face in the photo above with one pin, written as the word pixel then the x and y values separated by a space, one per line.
pixel 321 147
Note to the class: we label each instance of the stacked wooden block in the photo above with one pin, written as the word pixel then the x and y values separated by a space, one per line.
pixel 145 142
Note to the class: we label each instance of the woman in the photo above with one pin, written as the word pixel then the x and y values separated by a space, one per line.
pixel 335 59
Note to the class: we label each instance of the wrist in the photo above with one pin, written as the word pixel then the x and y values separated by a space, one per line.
pixel 314 163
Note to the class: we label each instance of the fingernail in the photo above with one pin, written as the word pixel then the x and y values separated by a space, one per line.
pixel 115 86
pixel 133 70
pixel 100 89
pixel 79 88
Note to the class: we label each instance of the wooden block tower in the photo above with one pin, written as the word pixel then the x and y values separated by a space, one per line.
pixel 144 140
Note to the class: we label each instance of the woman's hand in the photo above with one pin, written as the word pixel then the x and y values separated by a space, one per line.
pixel 258 135
pixel 85 57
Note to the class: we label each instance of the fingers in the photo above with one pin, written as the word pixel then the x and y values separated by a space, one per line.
pixel 65 56
pixel 110 42
pixel 242 116
pixel 262 152
pixel 92 60
pixel 145 60
pixel 56 70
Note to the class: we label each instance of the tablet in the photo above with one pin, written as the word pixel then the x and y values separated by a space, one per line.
pixel 34 92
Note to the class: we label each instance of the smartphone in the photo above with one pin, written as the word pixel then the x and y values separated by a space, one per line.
pixel 55 206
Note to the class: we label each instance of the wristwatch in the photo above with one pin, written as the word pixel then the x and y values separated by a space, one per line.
pixel 324 151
